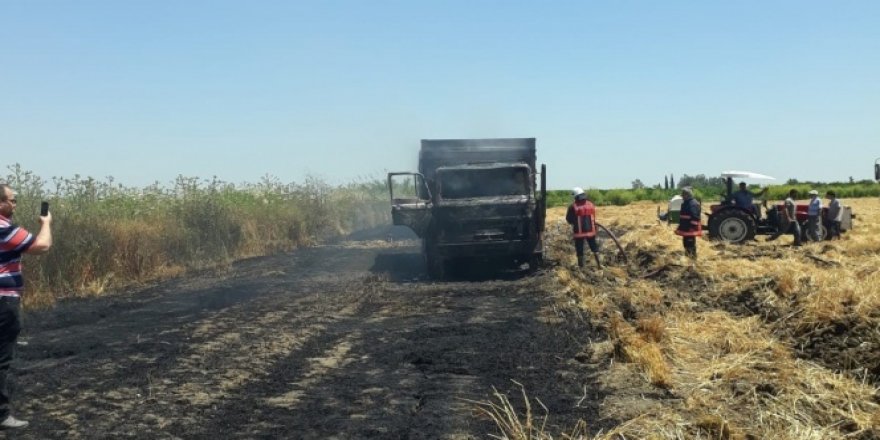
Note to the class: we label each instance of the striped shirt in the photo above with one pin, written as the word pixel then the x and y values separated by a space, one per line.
pixel 14 240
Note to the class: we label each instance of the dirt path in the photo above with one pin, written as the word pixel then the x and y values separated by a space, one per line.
pixel 345 341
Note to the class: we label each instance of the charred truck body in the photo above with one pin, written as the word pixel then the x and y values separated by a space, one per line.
pixel 473 198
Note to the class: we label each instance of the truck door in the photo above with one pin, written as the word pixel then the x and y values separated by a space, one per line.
pixel 410 201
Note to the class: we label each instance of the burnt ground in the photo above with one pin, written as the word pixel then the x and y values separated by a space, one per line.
pixel 340 341
pixel 848 346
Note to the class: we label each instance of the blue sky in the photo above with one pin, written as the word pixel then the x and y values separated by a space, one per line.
pixel 343 90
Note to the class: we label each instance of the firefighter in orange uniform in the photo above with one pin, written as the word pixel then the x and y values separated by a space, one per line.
pixel 582 216
pixel 689 224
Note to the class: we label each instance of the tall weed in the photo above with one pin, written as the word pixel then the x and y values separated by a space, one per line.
pixel 107 235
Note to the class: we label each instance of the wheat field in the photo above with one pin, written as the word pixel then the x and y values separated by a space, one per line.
pixel 756 341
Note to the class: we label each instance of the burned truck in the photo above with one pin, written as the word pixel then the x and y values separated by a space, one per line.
pixel 473 199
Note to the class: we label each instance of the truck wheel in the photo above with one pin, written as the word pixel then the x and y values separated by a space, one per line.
pixel 733 226
pixel 436 266
pixel 535 261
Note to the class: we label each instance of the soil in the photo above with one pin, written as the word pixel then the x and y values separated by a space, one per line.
pixel 849 347
pixel 343 341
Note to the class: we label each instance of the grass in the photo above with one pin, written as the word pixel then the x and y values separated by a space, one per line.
pixel 521 424
pixel 108 236
pixel 761 340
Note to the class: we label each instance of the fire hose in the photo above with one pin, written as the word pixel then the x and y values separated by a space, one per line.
pixel 614 238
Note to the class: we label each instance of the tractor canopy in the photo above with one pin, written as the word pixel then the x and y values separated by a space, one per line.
pixel 729 176
pixel 745 175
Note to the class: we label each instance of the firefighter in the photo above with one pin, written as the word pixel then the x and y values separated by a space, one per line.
pixel 582 216
pixel 689 224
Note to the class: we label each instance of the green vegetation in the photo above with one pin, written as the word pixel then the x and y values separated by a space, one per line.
pixel 616 197
pixel 108 235
pixel 711 194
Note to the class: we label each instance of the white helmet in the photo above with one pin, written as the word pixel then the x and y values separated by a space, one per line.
pixel 576 191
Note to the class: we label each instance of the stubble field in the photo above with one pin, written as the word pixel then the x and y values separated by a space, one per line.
pixel 762 340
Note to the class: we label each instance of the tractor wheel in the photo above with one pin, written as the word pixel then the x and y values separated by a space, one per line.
pixel 733 226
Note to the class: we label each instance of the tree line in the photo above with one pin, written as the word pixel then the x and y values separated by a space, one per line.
pixel 710 189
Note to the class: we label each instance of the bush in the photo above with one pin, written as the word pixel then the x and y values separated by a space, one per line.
pixel 619 197
pixel 107 235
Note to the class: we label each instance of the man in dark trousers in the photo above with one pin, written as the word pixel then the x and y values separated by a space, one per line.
pixel 14 241
pixel 834 216
pixel 788 221
pixel 582 216
pixel 690 226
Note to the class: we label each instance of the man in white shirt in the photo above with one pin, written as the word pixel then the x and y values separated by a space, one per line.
pixel 814 210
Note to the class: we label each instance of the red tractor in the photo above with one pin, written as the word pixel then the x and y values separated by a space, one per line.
pixel 735 223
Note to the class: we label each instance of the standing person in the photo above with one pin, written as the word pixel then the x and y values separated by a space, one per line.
pixel 788 222
pixel 833 216
pixel 581 215
pixel 14 241
pixel 689 224
pixel 814 210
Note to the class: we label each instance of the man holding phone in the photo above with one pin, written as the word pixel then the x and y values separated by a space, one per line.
pixel 14 241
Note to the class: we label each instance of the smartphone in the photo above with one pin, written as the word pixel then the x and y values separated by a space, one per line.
pixel 44 209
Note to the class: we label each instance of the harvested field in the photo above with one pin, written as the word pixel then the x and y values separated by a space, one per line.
pixel 762 340
pixel 351 340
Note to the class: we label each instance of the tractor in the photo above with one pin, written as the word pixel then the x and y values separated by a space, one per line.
pixel 737 224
